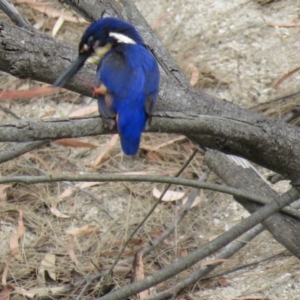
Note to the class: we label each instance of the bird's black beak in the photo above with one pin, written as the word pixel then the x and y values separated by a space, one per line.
pixel 72 70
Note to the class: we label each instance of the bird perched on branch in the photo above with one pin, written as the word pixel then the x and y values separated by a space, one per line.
pixel 127 77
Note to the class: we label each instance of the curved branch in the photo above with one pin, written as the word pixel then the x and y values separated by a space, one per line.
pixel 205 250
pixel 228 252
pixel 13 14
pixel 144 178
pixel 276 145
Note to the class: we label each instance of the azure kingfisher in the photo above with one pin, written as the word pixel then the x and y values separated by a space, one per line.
pixel 127 77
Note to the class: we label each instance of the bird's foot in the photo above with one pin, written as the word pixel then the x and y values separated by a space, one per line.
pixel 108 123
pixel 101 90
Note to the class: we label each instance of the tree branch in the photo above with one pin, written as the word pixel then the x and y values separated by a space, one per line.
pixel 144 178
pixel 13 14
pixel 19 149
pixel 205 250
pixel 228 252
pixel 33 55
pixel 283 228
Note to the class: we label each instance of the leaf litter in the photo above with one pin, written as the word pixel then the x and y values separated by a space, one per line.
pixel 117 207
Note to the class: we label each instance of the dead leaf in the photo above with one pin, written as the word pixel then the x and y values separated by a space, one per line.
pixel 169 142
pixel 173 241
pixel 194 74
pixel 14 240
pixel 169 195
pixel 291 24
pixel 196 201
pixel 66 193
pixel 285 77
pixel 156 234
pixel 51 12
pixel 153 157
pixel 3 195
pixel 223 282
pixel 42 292
pixel 74 143
pixel 47 114
pixel 183 253
pixel 5 293
pixel 109 147
pixel 47 265
pixel 255 298
pixel 29 94
pixel 60 21
pixel 212 262
pixel 138 271
pixel 58 213
pixel 4 274
pixel 40 160
pixel 84 185
pixel 71 252
pixel 88 230
pixel 84 111
pixel 69 191
pixel 23 292
pixel 121 270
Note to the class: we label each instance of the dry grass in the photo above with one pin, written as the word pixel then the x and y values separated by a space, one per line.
pixel 112 210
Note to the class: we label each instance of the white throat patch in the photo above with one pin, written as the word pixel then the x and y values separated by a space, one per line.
pixel 121 38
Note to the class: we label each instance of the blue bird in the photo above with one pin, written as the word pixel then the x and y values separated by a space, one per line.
pixel 127 77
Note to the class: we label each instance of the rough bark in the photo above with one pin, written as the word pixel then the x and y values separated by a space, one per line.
pixel 284 228
pixel 270 143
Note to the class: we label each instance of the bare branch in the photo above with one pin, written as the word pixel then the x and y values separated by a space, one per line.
pixel 14 15
pixel 205 250
pixel 144 178
pixel 278 225
pixel 150 212
pixel 30 54
pixel 228 252
pixel 19 149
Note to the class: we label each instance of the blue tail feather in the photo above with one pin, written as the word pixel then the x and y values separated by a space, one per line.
pixel 131 125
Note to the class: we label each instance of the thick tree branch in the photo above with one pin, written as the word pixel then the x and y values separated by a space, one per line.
pixel 205 250
pixel 283 228
pixel 33 55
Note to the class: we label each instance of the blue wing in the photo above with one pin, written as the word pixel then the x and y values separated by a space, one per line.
pixel 151 86
pixel 130 74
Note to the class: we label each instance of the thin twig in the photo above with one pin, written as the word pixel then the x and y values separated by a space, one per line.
pixel 74 187
pixel 205 250
pixel 291 116
pixel 19 149
pixel 146 178
pixel 108 274
pixel 13 14
pixel 144 220
pixel 178 219
pixel 94 198
pixel 9 111
pixel 192 195
pixel 197 275
pixel 244 266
